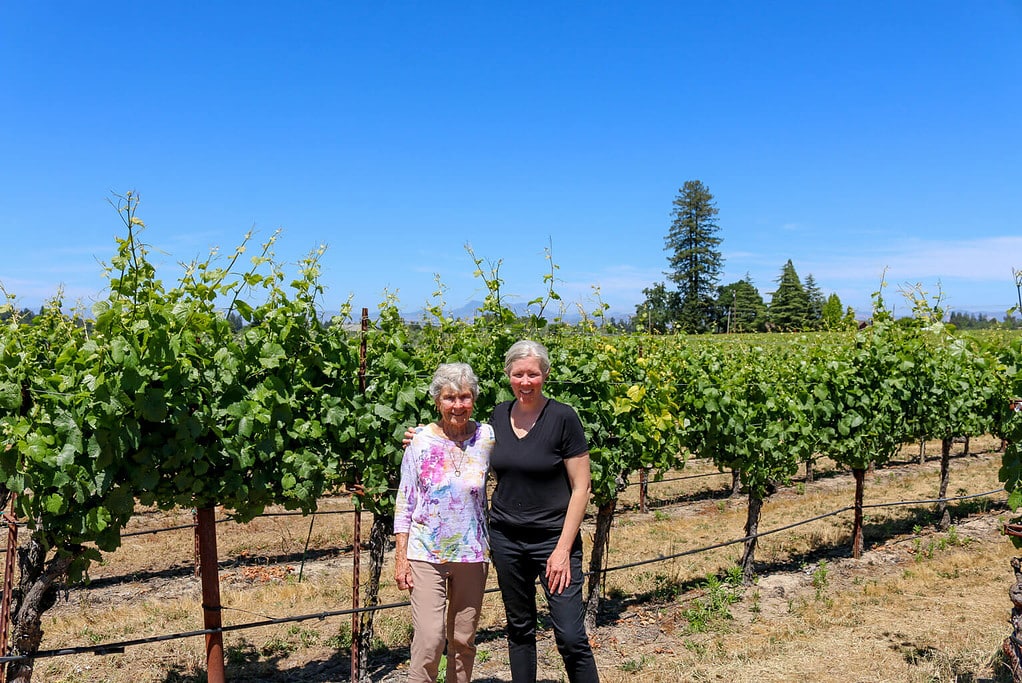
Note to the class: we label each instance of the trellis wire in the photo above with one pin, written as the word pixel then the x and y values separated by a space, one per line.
pixel 118 647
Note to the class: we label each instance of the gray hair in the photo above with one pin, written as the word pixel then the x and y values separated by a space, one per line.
pixel 456 375
pixel 527 348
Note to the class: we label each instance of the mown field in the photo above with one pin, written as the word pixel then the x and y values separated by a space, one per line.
pixel 919 605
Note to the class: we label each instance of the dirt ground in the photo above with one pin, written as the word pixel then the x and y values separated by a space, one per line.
pixel 921 604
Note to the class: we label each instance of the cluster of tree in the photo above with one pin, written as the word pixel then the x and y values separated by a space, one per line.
pixel 8 312
pixel 698 304
pixel 979 321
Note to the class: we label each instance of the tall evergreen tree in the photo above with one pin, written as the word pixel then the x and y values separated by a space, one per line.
pixel 694 258
pixel 814 303
pixel 742 307
pixel 789 304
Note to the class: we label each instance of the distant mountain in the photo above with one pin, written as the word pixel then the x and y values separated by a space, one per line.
pixel 470 311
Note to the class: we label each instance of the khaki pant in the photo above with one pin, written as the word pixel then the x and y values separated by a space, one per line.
pixel 446 601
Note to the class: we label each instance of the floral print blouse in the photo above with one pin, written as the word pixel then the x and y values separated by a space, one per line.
pixel 441 500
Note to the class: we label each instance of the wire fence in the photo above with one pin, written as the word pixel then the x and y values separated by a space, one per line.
pixel 319 513
pixel 119 646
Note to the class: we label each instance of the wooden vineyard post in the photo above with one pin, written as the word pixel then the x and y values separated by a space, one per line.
pixel 12 552
pixel 205 532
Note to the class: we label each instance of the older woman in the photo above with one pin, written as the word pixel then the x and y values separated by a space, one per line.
pixel 440 527
pixel 541 463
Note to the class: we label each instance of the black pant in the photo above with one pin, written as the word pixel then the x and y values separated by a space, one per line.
pixel 519 556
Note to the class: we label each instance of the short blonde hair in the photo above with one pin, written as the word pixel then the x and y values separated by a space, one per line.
pixel 527 348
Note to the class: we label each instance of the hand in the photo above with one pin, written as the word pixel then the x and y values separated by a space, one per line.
pixel 558 571
pixel 403 574
pixel 409 435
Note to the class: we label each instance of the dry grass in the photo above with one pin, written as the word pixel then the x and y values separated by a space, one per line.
pixel 920 605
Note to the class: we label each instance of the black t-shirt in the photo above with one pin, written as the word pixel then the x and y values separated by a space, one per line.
pixel 533 489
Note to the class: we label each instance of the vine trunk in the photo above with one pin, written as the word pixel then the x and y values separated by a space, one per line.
pixel 860 484
pixel 945 477
pixel 36 592
pixel 377 547
pixel 751 529
pixel 1011 648
pixel 601 545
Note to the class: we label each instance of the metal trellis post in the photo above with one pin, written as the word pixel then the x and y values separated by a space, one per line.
pixel 211 608
pixel 356 544
pixel 12 550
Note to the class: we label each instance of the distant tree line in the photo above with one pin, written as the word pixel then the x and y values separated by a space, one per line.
pixel 979 321
pixel 697 303
pixel 8 312
pixel 25 316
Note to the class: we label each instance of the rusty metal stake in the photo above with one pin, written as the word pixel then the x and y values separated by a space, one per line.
pixel 5 613
pixel 205 533
pixel 356 620
pixel 356 544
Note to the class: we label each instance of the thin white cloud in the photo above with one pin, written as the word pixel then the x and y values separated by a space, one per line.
pixel 32 293
pixel 984 259
pixel 620 286
pixel 78 269
pixel 89 250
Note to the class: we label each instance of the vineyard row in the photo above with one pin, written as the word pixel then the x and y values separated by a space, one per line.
pixel 157 400
pixel 119 646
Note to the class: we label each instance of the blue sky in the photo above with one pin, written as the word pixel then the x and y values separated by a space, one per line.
pixel 848 137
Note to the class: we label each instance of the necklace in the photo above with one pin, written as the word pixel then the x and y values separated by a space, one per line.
pixel 460 443
pixel 457 465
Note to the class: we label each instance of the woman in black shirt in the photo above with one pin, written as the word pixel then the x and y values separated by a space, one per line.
pixel 541 463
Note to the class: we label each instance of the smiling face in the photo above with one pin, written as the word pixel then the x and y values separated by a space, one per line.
pixel 527 379
pixel 455 405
